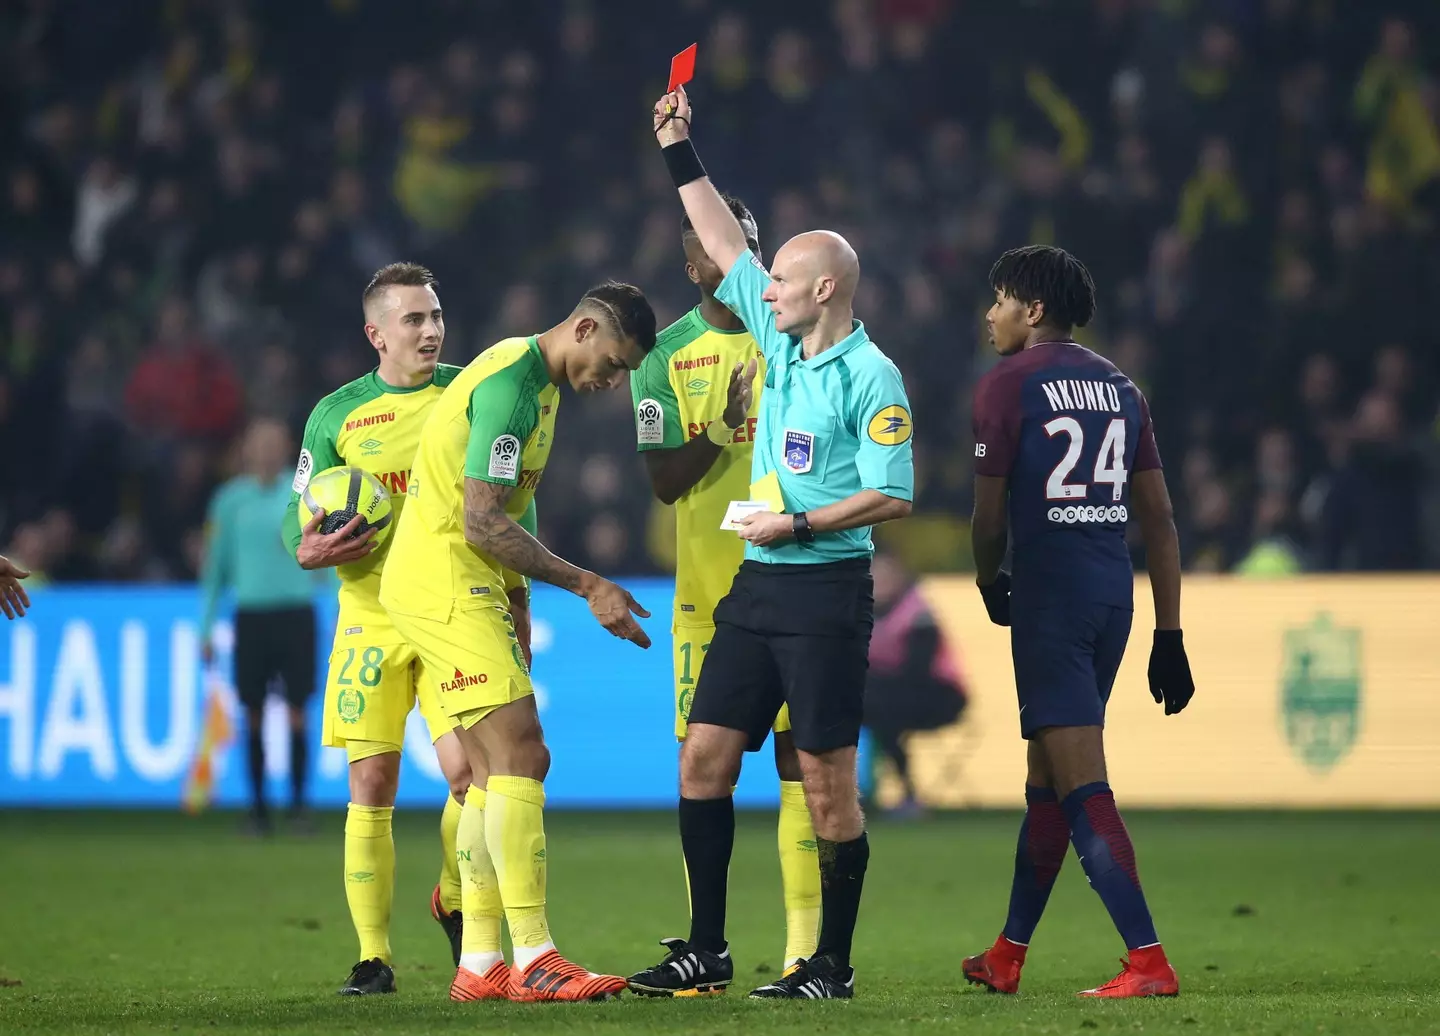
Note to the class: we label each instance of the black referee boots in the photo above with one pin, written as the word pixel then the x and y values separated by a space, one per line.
pixel 685 971
pixel 819 978
pixel 368 977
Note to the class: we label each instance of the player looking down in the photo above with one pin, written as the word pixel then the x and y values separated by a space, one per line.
pixel 1064 450
pixel 696 412
pixel 459 543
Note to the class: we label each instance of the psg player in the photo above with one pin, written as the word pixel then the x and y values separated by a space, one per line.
pixel 1064 452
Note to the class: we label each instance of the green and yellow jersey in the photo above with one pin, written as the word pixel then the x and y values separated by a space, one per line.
pixel 365 424
pixel 678 390
pixel 495 422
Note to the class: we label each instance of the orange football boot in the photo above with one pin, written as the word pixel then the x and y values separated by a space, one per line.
pixel 998 968
pixel 552 977
pixel 452 922
pixel 1145 973
pixel 493 985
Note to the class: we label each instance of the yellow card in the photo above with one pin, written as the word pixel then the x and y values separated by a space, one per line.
pixel 767 490
pixel 736 513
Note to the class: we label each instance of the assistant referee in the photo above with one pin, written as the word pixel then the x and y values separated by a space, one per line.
pixel 834 438
pixel 274 609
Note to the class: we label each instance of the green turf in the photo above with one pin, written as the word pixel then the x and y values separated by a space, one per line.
pixel 1277 924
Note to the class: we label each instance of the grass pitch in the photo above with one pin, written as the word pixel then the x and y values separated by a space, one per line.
pixel 1277 924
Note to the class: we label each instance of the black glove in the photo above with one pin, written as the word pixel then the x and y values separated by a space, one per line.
pixel 997 599
pixel 1169 672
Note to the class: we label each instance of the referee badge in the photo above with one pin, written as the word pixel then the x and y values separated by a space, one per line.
pixel 799 450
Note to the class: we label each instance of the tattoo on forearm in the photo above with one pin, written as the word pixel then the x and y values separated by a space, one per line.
pixel 498 535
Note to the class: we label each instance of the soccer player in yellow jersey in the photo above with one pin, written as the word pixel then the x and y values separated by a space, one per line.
pixel 695 417
pixel 374 677
pixel 480 458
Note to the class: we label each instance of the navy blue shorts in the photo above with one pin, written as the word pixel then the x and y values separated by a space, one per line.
pixel 1066 658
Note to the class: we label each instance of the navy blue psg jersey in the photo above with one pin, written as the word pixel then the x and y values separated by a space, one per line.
pixel 1068 430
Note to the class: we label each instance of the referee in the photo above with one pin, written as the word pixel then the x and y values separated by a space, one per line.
pixel 274 606
pixel 833 444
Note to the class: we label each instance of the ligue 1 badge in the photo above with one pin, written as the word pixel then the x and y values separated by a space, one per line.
pixel 799 450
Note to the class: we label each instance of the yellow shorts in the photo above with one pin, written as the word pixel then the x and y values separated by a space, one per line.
pixel 373 682
pixel 474 659
pixel 691 643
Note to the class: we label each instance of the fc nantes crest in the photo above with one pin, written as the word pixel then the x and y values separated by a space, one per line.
pixel 1320 695
pixel 350 705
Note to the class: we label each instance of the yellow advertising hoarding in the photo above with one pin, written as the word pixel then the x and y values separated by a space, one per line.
pixel 1316 691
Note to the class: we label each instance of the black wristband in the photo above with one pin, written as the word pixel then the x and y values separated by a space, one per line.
pixel 683 162
pixel 801 527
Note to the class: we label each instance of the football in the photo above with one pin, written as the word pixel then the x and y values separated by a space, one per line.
pixel 344 492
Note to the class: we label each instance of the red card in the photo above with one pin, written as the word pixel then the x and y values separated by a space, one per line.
pixel 682 67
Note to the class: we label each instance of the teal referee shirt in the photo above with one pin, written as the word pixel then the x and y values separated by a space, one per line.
pixel 246 551
pixel 829 427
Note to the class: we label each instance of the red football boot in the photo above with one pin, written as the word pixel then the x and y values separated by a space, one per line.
pixel 1146 973
pixel 493 985
pixel 552 977
pixel 452 922
pixel 998 968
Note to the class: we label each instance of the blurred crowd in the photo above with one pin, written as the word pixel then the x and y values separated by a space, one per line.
pixel 195 191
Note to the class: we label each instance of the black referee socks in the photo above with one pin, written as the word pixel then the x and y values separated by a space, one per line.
pixel 299 765
pixel 255 753
pixel 842 876
pixel 707 837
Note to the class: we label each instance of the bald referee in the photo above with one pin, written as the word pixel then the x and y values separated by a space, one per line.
pixel 834 440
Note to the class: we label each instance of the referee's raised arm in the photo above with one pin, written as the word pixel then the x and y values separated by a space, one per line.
pixel 715 225
pixel 802 317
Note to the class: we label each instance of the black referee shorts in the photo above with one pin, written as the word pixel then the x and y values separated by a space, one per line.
pixel 270 644
pixel 796 635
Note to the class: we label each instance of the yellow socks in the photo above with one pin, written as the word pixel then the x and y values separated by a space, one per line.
pixel 799 873
pixel 370 876
pixel 449 865
pixel 515 833
pixel 479 889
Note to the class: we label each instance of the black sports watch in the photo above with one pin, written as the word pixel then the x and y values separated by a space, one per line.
pixel 802 530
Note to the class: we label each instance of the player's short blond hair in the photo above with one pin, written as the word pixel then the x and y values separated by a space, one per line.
pixel 410 275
